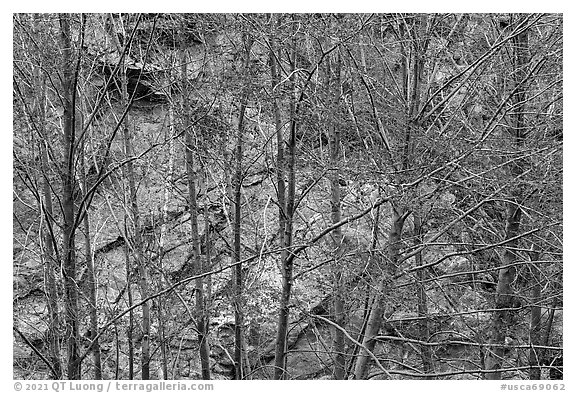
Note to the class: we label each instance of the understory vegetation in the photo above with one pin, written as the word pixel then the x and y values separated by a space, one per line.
pixel 287 196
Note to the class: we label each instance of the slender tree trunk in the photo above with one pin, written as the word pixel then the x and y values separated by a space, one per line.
pixel 197 261
pixel 50 261
pixel 91 280
pixel 237 276
pixel 549 323
pixel 281 186
pixel 50 264
pixel 208 265
pixel 332 102
pixel 424 328
pixel 135 240
pixel 117 360
pixel 163 229
pixel 368 290
pixel 412 93
pixel 130 330
pixel 193 207
pixel 162 327
pixel 143 279
pixel 377 309
pixel 419 47
pixel 69 248
pixel 287 260
pixel 505 299
pixel 535 355
pixel 237 279
pixel 503 319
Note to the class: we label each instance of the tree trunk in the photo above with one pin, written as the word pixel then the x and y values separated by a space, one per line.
pixel 505 299
pixel 503 319
pixel 193 208
pixel 49 259
pixel 143 278
pixel 535 355
pixel 424 328
pixel 332 102
pixel 550 322
pixel 163 229
pixel 130 330
pixel 69 251
pixel 412 94
pixel 281 186
pixel 367 290
pixel 197 261
pixel 50 264
pixel 237 275
pixel 135 240
pixel 92 296
pixel 285 256
pixel 377 309
pixel 208 265
pixel 281 192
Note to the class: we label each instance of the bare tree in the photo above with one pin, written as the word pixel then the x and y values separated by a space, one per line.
pixel 505 297
pixel 133 230
pixel 68 95
pixel 201 323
